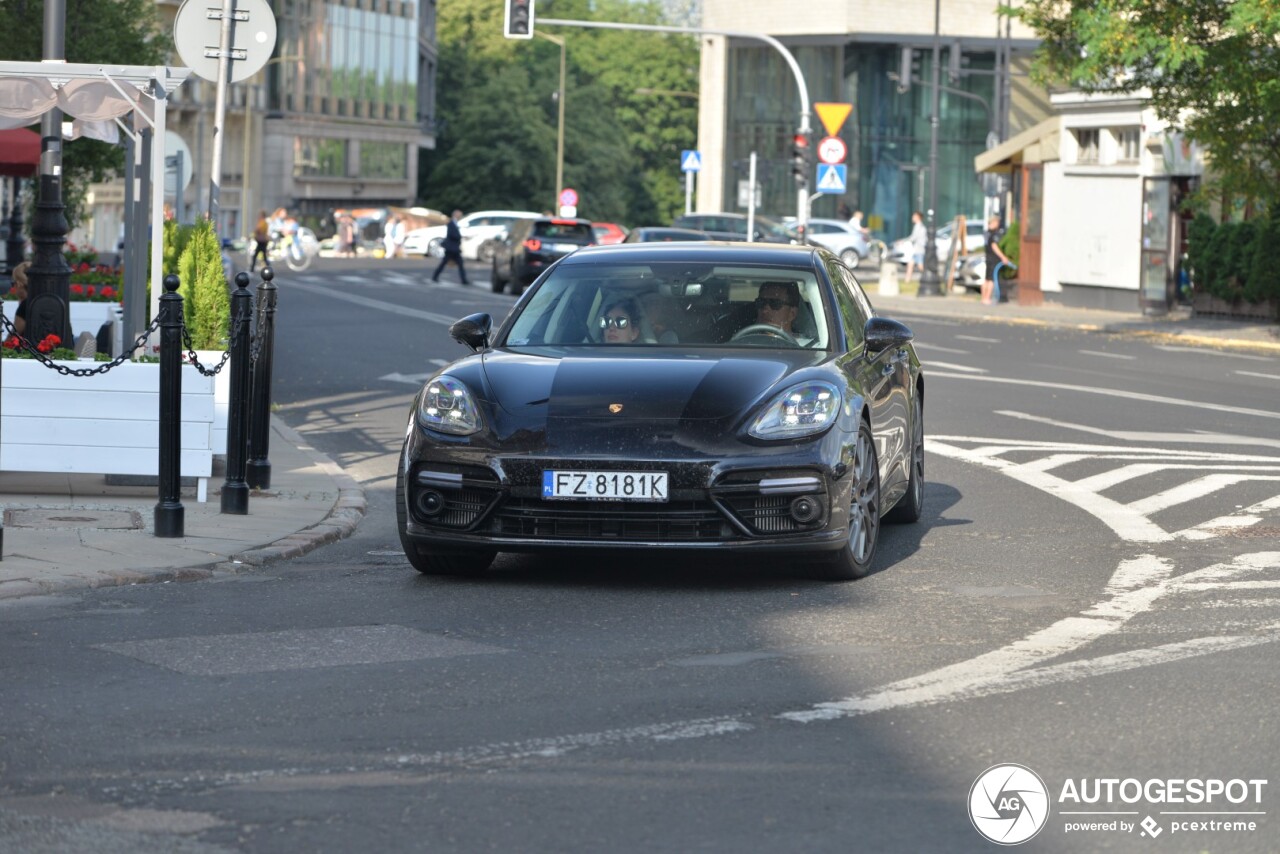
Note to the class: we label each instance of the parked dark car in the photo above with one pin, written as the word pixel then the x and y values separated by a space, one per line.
pixel 733 226
pixel 532 245
pixel 697 397
pixel 664 234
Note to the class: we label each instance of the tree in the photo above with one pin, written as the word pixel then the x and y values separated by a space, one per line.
pixel 116 32
pixel 1212 69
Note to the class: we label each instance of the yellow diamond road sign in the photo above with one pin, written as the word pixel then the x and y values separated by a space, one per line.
pixel 832 116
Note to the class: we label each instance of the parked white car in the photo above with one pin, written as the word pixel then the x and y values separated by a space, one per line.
pixel 973 241
pixel 840 237
pixel 478 229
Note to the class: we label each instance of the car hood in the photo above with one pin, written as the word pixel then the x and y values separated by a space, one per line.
pixel 590 383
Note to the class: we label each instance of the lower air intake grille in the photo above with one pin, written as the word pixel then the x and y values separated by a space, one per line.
pixel 676 521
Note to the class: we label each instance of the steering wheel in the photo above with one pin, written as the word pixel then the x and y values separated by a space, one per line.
pixel 765 329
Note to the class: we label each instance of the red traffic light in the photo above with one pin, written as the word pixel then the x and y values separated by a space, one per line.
pixel 801 140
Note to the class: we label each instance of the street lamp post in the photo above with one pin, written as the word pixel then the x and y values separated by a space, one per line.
pixel 930 282
pixel 558 40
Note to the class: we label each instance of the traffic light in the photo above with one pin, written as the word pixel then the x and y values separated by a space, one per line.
pixel 905 69
pixel 518 20
pixel 800 149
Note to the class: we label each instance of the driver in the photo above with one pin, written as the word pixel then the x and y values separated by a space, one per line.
pixel 777 304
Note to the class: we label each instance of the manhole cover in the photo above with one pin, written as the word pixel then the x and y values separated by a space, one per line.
pixel 125 520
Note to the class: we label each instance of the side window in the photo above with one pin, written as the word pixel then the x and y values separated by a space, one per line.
pixel 850 302
pixel 736 225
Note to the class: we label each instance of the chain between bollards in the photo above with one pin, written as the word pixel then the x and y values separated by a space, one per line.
pixel 235 492
pixel 258 473
pixel 169 513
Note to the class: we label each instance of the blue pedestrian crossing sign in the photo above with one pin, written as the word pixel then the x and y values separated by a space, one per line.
pixel 833 177
pixel 690 160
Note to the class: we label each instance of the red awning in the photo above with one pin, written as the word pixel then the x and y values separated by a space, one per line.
pixel 19 152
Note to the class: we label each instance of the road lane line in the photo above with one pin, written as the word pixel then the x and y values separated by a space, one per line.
pixel 1192 491
pixel 979 339
pixel 1202 351
pixel 1108 392
pixel 1146 438
pixel 927 347
pixel 1255 374
pixel 380 305
pixel 1103 355
pixel 929 363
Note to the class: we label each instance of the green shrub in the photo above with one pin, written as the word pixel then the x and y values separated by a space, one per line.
pixel 1216 281
pixel 1239 260
pixel 1010 244
pixel 206 302
pixel 1199 262
pixel 1263 282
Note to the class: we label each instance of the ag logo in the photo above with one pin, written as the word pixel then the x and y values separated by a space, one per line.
pixel 1008 804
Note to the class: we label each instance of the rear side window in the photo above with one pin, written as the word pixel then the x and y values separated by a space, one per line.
pixel 578 232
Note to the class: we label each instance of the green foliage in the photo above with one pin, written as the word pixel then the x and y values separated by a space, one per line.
pixel 1199 261
pixel 497 144
pixel 206 303
pixel 119 32
pixel 1241 244
pixel 1263 282
pixel 1010 244
pixel 1212 68
pixel 1216 281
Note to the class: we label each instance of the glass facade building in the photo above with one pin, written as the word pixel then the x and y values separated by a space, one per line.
pixel 887 133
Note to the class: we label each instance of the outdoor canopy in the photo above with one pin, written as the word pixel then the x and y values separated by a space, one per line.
pixel 93 93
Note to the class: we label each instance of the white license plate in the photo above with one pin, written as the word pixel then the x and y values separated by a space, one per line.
pixel 605 485
pixel 564 247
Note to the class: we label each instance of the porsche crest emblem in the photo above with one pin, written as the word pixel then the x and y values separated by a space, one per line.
pixel 615 408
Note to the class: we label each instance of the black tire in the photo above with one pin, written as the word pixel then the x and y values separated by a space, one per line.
pixel 497 282
pixel 910 506
pixel 854 560
pixel 430 562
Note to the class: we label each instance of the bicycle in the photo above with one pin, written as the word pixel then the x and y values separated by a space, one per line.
pixel 296 254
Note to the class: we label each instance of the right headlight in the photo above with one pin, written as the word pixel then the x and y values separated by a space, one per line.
pixel 801 410
pixel 447 405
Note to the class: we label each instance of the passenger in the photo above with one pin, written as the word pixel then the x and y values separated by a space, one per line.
pixel 19 291
pixel 658 309
pixel 619 323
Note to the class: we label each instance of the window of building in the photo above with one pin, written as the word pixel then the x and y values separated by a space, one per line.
pixel 1087 145
pixel 383 160
pixel 1127 140
pixel 314 157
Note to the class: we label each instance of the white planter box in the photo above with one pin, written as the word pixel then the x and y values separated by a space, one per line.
pixel 85 317
pixel 104 424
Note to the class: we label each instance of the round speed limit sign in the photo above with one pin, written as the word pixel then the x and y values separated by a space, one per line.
pixel 832 150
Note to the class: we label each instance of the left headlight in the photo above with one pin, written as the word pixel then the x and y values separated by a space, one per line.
pixel 447 405
pixel 801 410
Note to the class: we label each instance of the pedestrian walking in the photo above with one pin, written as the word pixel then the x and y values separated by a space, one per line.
pixel 919 239
pixel 995 255
pixel 452 249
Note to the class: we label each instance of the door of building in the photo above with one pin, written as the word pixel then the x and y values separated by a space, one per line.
pixel 1156 287
pixel 1032 204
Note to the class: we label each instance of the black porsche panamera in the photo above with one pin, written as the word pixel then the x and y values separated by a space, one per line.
pixel 689 397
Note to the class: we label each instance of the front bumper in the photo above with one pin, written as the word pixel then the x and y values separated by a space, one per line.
pixel 718 505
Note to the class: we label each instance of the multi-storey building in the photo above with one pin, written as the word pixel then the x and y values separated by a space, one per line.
pixel 852 51
pixel 336 118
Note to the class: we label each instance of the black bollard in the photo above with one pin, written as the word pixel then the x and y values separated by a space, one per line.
pixel 169 511
pixel 258 473
pixel 235 492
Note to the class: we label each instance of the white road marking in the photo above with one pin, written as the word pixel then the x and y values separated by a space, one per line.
pixel 978 339
pixel 1129 521
pixel 927 347
pixel 1146 437
pixel 1105 355
pixel 953 367
pixel 380 305
pixel 440 362
pixel 1204 351
pixel 1254 374
pixel 411 379
pixel 1108 392
pixel 1134 589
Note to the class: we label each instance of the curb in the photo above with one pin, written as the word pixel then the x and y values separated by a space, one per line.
pixel 339 524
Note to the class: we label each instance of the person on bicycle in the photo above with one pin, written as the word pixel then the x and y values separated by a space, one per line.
pixel 995 257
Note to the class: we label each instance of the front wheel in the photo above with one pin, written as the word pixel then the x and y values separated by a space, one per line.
pixel 297 258
pixel 854 560
pixel 427 561
pixel 851 258
pixel 497 282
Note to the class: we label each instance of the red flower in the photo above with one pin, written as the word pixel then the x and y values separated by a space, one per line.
pixel 89 290
pixel 78 290
pixel 108 291
pixel 50 341
pixel 83 268
pixel 13 342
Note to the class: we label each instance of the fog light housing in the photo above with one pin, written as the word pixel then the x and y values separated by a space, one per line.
pixel 806 509
pixel 430 503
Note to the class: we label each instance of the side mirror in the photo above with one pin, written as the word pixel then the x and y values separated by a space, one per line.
pixel 473 331
pixel 881 333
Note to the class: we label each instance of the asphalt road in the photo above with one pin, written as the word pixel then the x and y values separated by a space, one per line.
pixel 1091 595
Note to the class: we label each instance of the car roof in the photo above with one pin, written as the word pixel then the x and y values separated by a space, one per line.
pixel 717 251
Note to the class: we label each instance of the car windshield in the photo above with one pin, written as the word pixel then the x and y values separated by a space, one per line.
pixel 576 231
pixel 687 304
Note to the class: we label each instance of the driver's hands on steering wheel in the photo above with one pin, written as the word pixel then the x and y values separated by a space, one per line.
pixel 765 329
